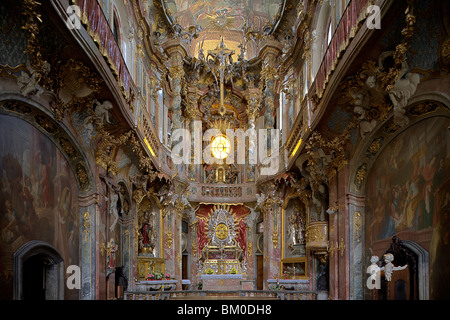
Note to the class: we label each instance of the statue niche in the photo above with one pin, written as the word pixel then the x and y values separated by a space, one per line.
pixel 294 225
pixel 148 228
pixel 149 231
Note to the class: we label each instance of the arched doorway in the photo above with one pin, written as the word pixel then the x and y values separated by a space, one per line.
pixel 38 272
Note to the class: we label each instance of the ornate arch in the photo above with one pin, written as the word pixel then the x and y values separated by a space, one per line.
pixel 35 115
pixel 366 155
pixel 421 108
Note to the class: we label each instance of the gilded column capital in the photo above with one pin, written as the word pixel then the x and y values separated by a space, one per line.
pixel 192 97
pixel 253 96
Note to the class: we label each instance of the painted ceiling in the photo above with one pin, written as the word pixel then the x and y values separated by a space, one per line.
pixel 226 16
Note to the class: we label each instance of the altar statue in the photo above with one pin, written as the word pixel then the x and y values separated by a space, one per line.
pixel 145 234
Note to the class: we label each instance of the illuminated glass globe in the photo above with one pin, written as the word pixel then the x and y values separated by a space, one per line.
pixel 220 147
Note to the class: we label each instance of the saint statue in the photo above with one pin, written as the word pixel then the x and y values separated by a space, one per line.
pixel 146 227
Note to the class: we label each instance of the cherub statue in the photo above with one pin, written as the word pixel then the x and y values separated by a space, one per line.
pixel 404 88
pixel 28 82
pixel 260 199
pixel 374 271
pixel 101 110
pixel 389 266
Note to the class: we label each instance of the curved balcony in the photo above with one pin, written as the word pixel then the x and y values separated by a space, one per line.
pixel 221 193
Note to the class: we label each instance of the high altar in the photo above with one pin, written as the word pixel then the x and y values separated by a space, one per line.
pixel 222 246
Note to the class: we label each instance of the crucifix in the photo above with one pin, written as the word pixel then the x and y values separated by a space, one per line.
pixel 221 54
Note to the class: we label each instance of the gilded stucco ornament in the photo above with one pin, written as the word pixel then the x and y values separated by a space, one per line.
pixel 76 86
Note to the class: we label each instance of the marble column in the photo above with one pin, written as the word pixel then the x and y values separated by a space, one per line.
pixel 357 272
pixel 128 250
pixel 253 96
pixel 270 51
pixel 192 115
pixel 168 238
pixel 172 240
pixel 178 275
pixel 89 248
pixel 272 238
pixel 176 51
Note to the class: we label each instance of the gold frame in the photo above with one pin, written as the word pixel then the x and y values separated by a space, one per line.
pixel 161 230
pixel 154 263
pixel 290 196
pixel 292 261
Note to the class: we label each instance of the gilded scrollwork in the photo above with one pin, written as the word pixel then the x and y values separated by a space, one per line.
pixel 76 86
pixel 360 176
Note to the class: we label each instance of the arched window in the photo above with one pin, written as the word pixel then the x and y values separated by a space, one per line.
pixel 329 33
pixel 116 28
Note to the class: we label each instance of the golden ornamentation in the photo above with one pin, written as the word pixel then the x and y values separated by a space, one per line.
pixel 77 85
pixel 275 239
pixel 86 225
pixel 103 249
pixel 316 235
pixel 342 247
pixel 169 239
pixel 250 248
pixel 17 107
pixel 9 72
pixel 313 234
pixel 194 248
pixel 388 79
pixel 46 123
pixel 360 176
pixel 423 108
pixel 253 97
pixel 67 147
pixel 331 249
pixel 147 265
pixel 374 147
pixel 82 176
pixel 221 231
pixel 445 52
pixel 33 20
pixel 357 222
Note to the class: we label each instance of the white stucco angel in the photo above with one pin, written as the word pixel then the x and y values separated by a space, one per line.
pixel 389 266
pixel 260 199
pixel 404 88
pixel 28 82
pixel 101 110
pixel 373 282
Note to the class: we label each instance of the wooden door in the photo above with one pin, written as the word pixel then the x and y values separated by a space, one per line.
pixel 259 272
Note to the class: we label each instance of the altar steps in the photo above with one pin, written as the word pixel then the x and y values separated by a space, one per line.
pixel 223 296
pixel 226 295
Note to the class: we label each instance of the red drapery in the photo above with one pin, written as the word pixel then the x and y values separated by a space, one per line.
pixel 239 213
pixel 99 30
pixel 355 12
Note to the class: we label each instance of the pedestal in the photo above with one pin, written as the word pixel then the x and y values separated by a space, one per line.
pixel 222 282
pixel 156 285
pixel 295 284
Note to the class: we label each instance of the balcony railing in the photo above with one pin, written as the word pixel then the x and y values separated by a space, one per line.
pixel 346 30
pixel 98 28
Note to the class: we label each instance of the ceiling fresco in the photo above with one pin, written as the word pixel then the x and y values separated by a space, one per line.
pixel 224 15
